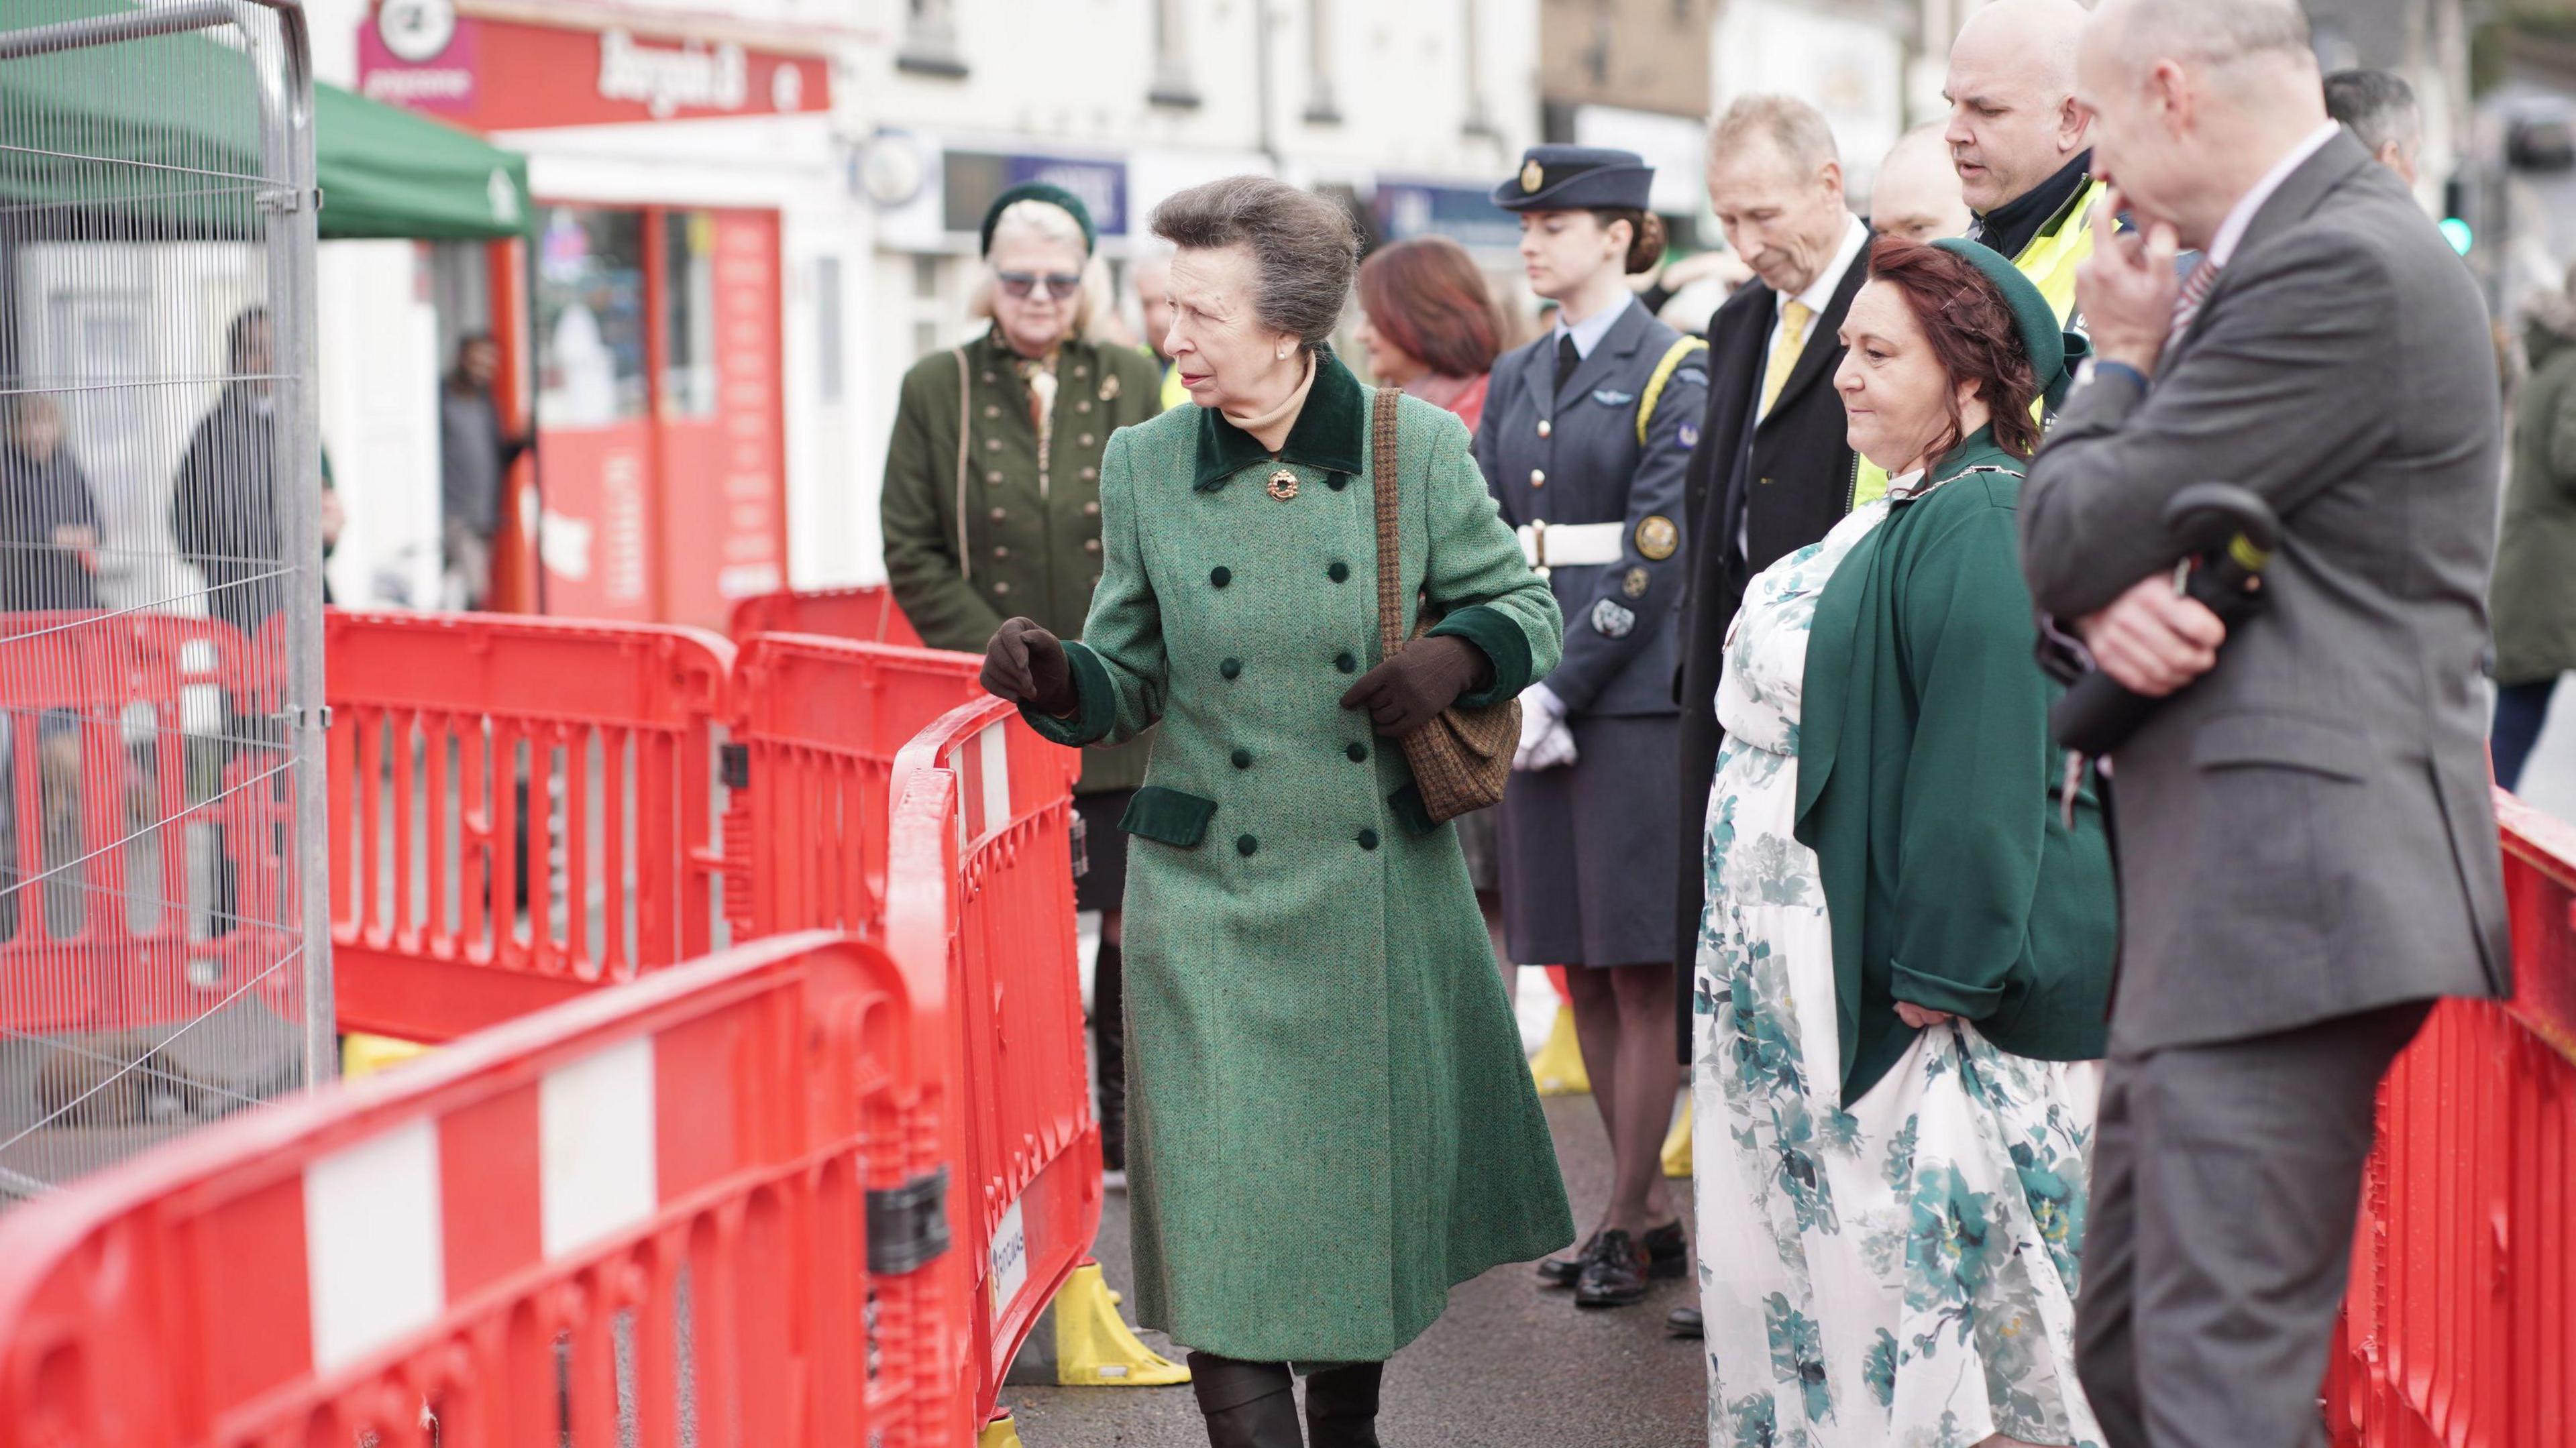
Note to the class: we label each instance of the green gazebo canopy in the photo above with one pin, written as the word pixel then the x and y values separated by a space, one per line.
pixel 161 130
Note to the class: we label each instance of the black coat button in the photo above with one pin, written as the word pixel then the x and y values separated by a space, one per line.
pixel 1347 664
pixel 1243 759
pixel 1246 845
pixel 1230 667
pixel 1221 575
pixel 1337 481
pixel 1368 839
pixel 1358 753
pixel 1339 573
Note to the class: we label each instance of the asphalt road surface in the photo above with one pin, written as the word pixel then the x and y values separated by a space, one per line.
pixel 1506 1367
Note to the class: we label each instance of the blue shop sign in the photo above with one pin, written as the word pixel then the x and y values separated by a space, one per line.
pixel 971 179
pixel 1465 214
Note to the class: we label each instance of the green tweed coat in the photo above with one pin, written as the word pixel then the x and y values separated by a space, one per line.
pixel 1330 1122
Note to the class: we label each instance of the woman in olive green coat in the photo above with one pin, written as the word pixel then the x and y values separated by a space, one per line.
pixel 2534 597
pixel 1332 1122
pixel 992 508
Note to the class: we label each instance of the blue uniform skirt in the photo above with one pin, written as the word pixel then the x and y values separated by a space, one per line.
pixel 1590 860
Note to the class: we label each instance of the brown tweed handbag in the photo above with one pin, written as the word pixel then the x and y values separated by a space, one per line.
pixel 1461 759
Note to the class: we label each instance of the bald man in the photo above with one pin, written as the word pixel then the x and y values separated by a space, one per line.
pixel 1916 192
pixel 2018 137
pixel 2307 845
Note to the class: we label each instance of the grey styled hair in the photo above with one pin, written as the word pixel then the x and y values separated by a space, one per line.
pixel 2376 106
pixel 1304 248
pixel 1804 136
pixel 2221 32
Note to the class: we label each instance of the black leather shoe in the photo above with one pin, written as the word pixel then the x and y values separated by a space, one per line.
pixel 1247 1405
pixel 1685 1322
pixel 1341 1406
pixel 1616 1275
pixel 1562 1271
pixel 1667 1252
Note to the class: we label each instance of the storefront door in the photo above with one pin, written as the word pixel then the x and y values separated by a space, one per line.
pixel 658 411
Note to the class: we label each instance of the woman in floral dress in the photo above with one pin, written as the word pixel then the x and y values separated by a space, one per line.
pixel 1903 968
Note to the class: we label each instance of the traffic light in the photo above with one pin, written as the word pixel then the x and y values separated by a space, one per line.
pixel 2455 214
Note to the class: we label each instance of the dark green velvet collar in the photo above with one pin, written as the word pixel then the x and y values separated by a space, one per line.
pixel 1331 433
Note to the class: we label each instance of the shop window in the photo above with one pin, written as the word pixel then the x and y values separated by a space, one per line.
pixel 688 314
pixel 1171 58
pixel 930 39
pixel 590 316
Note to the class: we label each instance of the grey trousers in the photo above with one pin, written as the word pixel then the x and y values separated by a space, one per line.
pixel 2219 1235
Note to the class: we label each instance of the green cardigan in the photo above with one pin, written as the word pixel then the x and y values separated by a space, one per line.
pixel 1927 786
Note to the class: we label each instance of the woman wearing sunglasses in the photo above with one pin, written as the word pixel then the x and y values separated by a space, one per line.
pixel 992 509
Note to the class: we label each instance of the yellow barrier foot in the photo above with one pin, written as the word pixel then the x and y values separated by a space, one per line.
pixel 1000 1433
pixel 1558 1066
pixel 364 1055
pixel 1677 1147
pixel 1095 1348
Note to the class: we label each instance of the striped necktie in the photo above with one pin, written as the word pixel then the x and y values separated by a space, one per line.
pixel 2195 290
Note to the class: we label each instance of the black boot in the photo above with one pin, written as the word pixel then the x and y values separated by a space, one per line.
pixel 1248 1405
pixel 1341 1406
pixel 1109 1053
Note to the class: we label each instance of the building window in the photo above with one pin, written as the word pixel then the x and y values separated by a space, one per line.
pixel 1321 110
pixel 1478 121
pixel 930 39
pixel 1172 85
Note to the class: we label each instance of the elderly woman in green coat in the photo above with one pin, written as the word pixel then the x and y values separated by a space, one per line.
pixel 1330 1119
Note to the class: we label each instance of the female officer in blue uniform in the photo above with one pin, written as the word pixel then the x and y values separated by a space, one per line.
pixel 1585 436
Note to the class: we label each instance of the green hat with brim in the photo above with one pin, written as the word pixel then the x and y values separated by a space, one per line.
pixel 2054 351
pixel 1052 195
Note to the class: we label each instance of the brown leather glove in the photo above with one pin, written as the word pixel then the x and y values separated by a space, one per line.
pixel 1026 665
pixel 1409 690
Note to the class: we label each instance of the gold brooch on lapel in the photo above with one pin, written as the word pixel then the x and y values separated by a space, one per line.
pixel 1282 485
pixel 1109 387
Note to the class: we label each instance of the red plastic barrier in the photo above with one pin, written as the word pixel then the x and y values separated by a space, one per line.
pixel 2460 1327
pixel 867 614
pixel 982 882
pixel 815 727
pixel 520 809
pixel 692 1205
pixel 118 708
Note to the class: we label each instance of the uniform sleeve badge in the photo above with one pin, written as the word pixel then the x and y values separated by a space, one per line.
pixel 1657 538
pixel 1636 583
pixel 1612 621
pixel 1688 433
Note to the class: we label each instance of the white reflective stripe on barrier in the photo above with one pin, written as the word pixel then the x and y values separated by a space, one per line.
pixel 995 746
pixel 1570 545
pixel 375 1259
pixel 595 1145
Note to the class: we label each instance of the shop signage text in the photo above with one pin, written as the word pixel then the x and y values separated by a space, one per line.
pixel 500 75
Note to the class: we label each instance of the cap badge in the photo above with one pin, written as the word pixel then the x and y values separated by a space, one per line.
pixel 1532 176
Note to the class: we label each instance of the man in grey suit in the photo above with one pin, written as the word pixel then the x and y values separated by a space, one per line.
pixel 2307 852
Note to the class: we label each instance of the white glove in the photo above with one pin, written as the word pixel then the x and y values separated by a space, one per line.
pixel 1545 741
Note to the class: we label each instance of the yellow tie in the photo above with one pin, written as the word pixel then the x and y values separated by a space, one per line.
pixel 1793 340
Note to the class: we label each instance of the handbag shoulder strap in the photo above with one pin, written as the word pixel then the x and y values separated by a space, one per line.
pixel 1390 557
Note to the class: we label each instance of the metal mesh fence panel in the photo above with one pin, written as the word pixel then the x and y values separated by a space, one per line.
pixel 163 957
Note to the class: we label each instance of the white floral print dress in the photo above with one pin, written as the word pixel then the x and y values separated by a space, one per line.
pixel 1900 1274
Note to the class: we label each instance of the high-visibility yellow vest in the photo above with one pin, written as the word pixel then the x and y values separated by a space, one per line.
pixel 1174 394
pixel 2050 262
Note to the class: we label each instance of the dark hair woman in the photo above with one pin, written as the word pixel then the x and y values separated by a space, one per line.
pixel 1332 1121
pixel 1904 965
pixel 1428 323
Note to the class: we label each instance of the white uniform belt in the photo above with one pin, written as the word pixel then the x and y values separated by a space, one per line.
pixel 1569 545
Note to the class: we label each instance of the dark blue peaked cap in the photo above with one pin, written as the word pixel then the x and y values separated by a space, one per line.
pixel 1576 178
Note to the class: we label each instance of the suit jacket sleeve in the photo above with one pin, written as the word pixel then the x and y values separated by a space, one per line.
pixel 2286 387
pixel 1593 656
pixel 1975 813
pixel 916 518
pixel 1477 576
pixel 1486 441
pixel 1121 674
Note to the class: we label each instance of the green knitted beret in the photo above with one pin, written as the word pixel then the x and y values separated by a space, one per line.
pixel 2054 351
pixel 1055 196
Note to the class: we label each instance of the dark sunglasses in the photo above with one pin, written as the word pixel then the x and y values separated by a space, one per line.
pixel 1059 285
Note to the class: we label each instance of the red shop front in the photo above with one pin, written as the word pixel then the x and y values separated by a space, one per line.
pixel 654 350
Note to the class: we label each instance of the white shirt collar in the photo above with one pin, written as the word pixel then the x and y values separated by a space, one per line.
pixel 2231 232
pixel 1908 485
pixel 1588 333
pixel 1820 293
